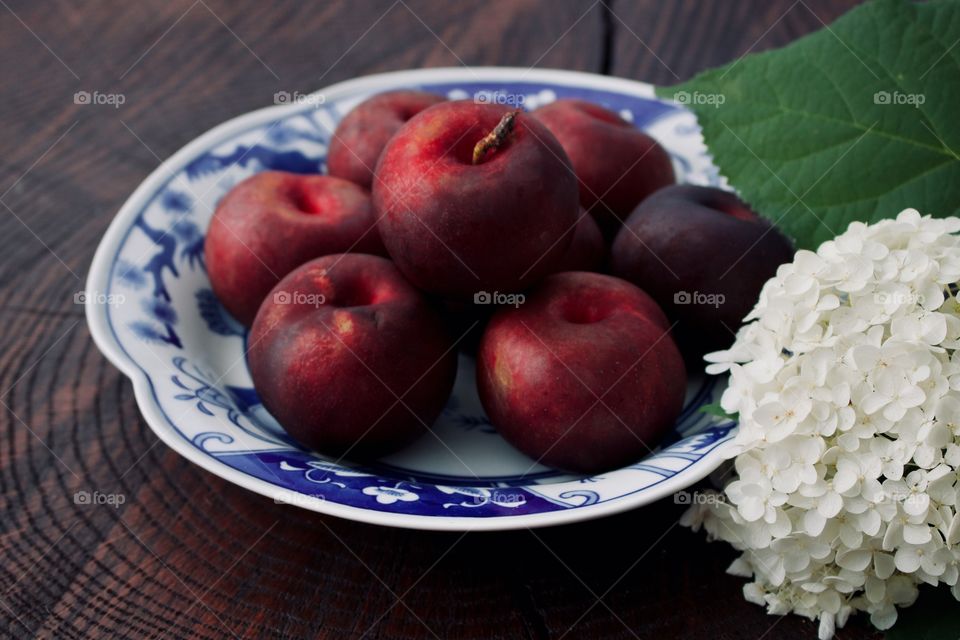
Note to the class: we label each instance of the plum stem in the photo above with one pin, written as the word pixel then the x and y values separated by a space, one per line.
pixel 495 138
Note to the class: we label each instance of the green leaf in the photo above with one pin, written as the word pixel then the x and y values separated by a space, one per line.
pixel 714 409
pixel 854 122
pixel 935 616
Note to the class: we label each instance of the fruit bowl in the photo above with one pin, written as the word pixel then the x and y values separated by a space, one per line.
pixel 152 313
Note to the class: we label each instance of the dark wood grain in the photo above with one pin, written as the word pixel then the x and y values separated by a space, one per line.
pixel 666 42
pixel 187 554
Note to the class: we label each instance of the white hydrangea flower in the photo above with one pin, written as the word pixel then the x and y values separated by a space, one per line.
pixel 846 380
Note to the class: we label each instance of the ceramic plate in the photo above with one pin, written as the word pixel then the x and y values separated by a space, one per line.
pixel 152 313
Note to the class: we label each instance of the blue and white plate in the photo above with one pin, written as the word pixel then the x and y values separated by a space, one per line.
pixel 152 313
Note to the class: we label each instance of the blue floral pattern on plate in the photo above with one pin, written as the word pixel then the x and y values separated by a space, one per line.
pixel 185 353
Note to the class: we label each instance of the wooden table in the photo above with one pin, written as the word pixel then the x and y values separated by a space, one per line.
pixel 190 555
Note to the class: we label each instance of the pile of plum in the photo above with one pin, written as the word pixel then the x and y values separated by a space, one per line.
pixel 552 244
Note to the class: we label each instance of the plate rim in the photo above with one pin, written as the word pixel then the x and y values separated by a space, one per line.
pixel 144 392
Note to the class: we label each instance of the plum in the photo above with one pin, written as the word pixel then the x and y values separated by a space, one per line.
pixel 474 197
pixel 584 376
pixel 617 164
pixel 349 357
pixel 273 222
pixel 360 137
pixel 703 255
